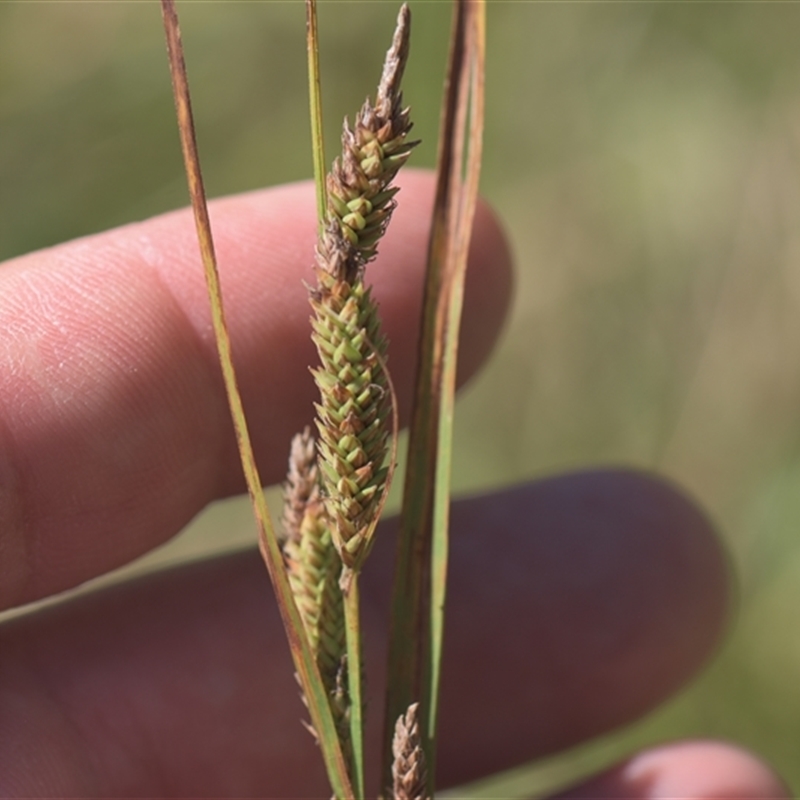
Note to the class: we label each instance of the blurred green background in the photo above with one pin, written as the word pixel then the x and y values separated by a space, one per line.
pixel 646 160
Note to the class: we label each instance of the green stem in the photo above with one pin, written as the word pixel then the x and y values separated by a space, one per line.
pixel 315 104
pixel 353 631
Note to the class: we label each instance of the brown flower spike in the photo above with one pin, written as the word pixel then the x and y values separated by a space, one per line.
pixel 302 484
pixel 408 769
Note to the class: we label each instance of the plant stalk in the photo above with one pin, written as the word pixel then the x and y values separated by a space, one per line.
pixel 354 677
pixel 315 107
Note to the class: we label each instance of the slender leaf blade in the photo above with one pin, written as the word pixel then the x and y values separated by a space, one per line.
pixel 471 131
pixel 421 569
pixel 305 664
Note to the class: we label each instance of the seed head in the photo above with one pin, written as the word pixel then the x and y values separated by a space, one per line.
pixel 302 483
pixel 355 404
pixel 360 200
pixel 314 568
pixel 408 769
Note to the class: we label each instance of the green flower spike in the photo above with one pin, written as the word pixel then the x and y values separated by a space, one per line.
pixel 313 569
pixel 355 403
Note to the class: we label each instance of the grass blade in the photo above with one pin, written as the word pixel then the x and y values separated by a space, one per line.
pixel 305 665
pixel 421 569
pixel 469 139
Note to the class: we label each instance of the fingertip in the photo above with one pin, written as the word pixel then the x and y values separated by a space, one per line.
pixel 118 428
pixel 698 770
pixel 488 290
pixel 488 284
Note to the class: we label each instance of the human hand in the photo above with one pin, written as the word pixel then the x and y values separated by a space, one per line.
pixel 576 604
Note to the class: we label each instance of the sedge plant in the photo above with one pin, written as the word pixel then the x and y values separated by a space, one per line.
pixel 338 479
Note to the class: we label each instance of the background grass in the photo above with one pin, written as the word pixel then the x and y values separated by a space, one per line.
pixel 646 159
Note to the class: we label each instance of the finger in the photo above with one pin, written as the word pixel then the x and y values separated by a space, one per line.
pixel 685 770
pixel 575 606
pixel 593 595
pixel 114 429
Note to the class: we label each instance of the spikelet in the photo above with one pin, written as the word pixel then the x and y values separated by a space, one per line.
pixel 354 402
pixel 360 200
pixel 409 773
pixel 301 485
pixel 313 568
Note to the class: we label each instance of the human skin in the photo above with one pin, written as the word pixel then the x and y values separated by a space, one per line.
pixel 577 604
